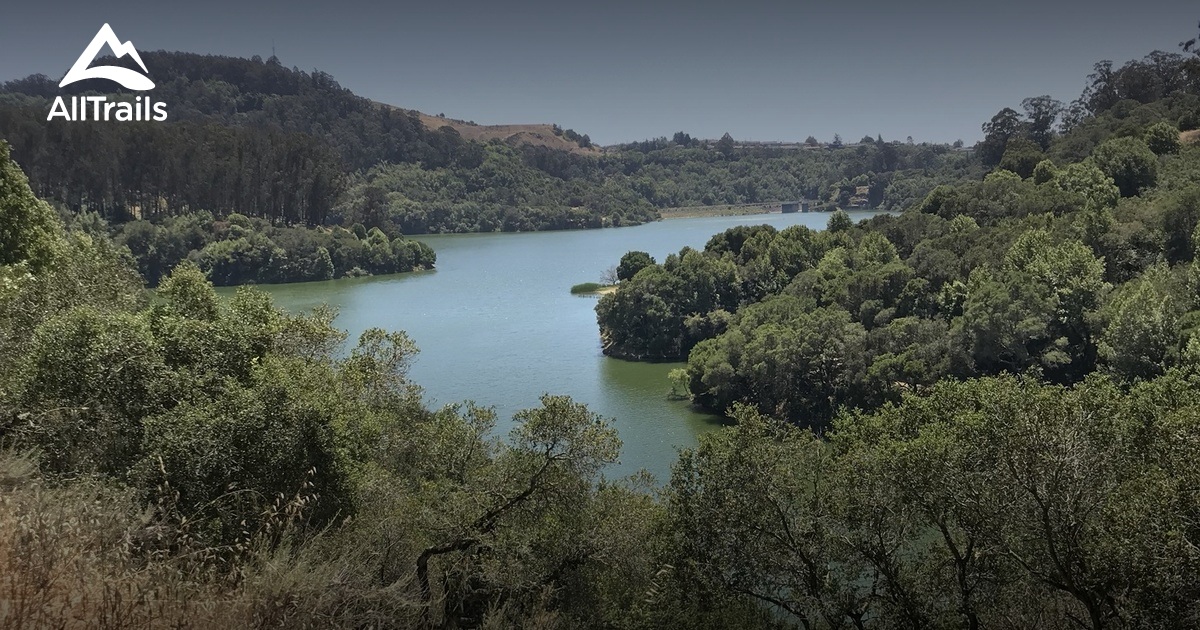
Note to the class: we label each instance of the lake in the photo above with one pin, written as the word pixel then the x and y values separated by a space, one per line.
pixel 496 324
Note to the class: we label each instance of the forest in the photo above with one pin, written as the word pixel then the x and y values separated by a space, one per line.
pixel 980 412
pixel 240 250
pixel 255 138
pixel 1064 261
pixel 278 151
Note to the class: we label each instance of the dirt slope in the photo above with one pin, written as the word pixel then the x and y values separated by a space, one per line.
pixel 535 134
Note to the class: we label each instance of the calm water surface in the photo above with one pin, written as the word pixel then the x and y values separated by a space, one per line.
pixel 496 324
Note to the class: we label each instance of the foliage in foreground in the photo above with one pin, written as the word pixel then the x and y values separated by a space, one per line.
pixel 993 503
pixel 236 455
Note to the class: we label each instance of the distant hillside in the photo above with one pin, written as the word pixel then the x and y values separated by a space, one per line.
pixel 254 137
pixel 542 135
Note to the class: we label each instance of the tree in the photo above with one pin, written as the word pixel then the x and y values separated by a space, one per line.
pixel 91 378
pixel 725 145
pixel 1190 45
pixel 1021 156
pixel 839 221
pixel 1142 335
pixel 753 510
pixel 1180 218
pixel 679 384
pixel 322 266
pixel 1041 113
pixel 557 451
pixel 837 141
pixel 276 436
pixel 373 212
pixel 631 263
pixel 1129 162
pixel 1044 172
pixel 1017 492
pixel 1162 138
pixel 641 319
pixel 188 293
pixel 1004 126
pixel 29 229
pixel 1036 310
pixel 796 365
pixel 1088 181
pixel 811 141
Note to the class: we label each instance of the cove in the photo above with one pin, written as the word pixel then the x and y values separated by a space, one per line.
pixel 496 324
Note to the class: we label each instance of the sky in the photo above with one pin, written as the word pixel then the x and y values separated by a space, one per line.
pixel 623 70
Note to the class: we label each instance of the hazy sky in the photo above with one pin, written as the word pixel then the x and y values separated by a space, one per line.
pixel 622 70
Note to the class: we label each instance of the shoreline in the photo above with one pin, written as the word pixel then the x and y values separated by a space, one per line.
pixel 725 210
pixel 596 289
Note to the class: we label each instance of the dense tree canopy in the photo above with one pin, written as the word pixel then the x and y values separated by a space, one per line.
pixel 264 141
pixel 241 250
pixel 1059 267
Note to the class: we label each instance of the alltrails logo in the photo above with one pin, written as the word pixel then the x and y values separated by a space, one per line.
pixel 99 107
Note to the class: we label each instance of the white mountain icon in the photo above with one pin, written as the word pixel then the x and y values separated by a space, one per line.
pixel 126 77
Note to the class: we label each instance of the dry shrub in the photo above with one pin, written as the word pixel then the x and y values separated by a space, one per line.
pixel 89 553
pixel 85 554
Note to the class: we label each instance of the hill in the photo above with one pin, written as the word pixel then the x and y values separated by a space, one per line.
pixel 540 135
pixel 255 138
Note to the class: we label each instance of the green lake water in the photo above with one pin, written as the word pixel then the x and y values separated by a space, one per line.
pixel 496 324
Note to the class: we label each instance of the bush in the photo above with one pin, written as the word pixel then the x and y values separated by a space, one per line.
pixel 586 287
pixel 631 263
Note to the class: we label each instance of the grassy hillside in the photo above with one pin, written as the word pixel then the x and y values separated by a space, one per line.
pixel 549 136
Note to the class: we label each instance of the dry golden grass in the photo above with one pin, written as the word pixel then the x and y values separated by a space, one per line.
pixel 86 553
pixel 1189 137
pixel 535 134
pixel 75 557
pixel 83 555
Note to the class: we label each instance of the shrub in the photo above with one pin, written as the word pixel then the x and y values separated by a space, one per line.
pixel 586 287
